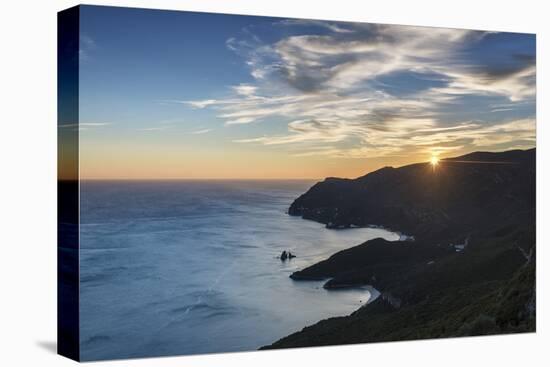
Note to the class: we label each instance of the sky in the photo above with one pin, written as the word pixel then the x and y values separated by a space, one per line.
pixel 211 96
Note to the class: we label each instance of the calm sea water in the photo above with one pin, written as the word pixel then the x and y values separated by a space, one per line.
pixel 186 267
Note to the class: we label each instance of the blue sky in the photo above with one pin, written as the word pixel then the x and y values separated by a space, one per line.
pixel 331 98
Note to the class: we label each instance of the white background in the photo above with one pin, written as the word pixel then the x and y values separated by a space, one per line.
pixel 28 182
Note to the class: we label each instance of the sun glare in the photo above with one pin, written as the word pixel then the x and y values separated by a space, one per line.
pixel 434 161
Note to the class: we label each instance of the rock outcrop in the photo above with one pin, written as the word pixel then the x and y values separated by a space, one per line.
pixel 470 269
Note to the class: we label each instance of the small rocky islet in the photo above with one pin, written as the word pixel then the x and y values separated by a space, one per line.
pixel 286 255
pixel 469 268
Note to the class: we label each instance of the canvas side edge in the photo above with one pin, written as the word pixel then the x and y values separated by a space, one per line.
pixel 68 318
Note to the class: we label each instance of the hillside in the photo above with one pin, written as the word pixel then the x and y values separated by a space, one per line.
pixel 470 269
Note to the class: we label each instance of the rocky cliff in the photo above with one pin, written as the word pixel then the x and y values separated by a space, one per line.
pixel 470 269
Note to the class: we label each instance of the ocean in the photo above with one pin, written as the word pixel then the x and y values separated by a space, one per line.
pixel 188 267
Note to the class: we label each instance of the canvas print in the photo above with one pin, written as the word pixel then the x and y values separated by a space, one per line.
pixel 234 183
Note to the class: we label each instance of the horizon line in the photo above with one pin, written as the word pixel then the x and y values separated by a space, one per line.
pixel 442 160
pixel 193 179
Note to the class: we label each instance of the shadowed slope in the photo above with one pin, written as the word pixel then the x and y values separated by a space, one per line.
pixel 470 270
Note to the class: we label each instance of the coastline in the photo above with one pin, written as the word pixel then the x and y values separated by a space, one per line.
pixel 396 305
pixel 463 272
pixel 241 286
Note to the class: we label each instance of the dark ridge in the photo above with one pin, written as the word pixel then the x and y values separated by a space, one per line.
pixel 510 156
pixel 470 269
pixel 458 195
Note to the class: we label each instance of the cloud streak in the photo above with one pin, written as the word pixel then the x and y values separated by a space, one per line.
pixel 335 92
pixel 83 126
pixel 156 128
pixel 200 132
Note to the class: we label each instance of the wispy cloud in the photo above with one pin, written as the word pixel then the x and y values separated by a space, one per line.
pixel 85 124
pixel 245 90
pixel 82 126
pixel 155 128
pixel 200 132
pixel 330 90
pixel 201 104
pixel 86 46
pixel 334 27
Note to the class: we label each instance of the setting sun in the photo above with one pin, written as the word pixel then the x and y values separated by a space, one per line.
pixel 355 154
